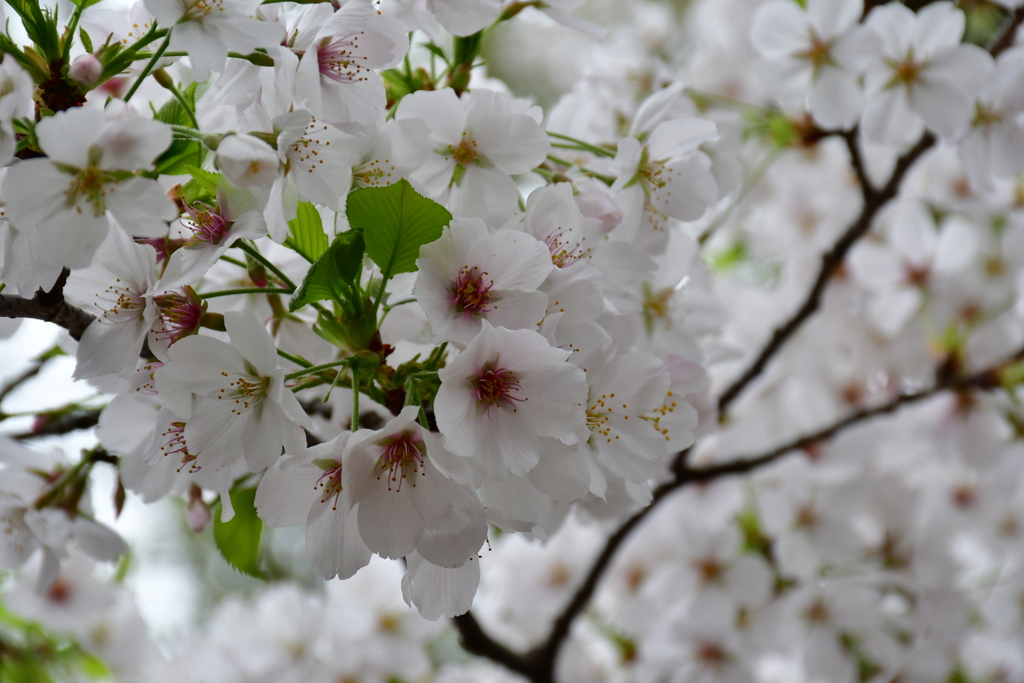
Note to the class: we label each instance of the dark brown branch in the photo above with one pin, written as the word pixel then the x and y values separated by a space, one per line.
pixel 1004 40
pixel 873 202
pixel 479 643
pixel 68 422
pixel 49 306
pixel 28 374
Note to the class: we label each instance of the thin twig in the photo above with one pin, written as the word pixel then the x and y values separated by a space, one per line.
pixel 830 261
pixel 1004 40
pixel 49 306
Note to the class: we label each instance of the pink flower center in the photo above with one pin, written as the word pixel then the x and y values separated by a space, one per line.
pixel 472 291
pixel 330 482
pixel 207 225
pixel 402 455
pixel 180 314
pixel 494 388
pixel 339 62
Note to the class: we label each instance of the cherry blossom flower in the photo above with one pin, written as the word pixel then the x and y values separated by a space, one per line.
pixel 477 143
pixel 208 29
pixel 244 408
pixel 821 49
pixel 504 392
pixel 922 75
pixel 91 169
pixel 15 102
pixel 470 275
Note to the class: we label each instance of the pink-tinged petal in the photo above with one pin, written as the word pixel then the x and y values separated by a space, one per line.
pixel 487 193
pixel 877 267
pixel 98 541
pixel 944 108
pixel 1008 150
pixel 384 42
pixel 67 135
pixel 199 360
pixel 33 191
pixel 562 472
pixel 891 312
pixel 967 69
pixel 71 239
pixel 347 21
pixel 833 17
pixel 285 498
pixel 512 259
pixel 957 246
pixel 895 25
pixel 517 310
pixel 438 592
pixel 333 543
pixel 888 118
pixel 454 548
pixel 444 505
pixel 690 187
pixel 440 109
pixel 141 207
pixel 263 438
pixel 132 143
pixel 252 340
pixel 215 433
pixel 465 17
pixel 940 26
pixel 110 348
pixel 779 29
pixel 524 149
pixel 836 99
pixel 680 137
pixel 388 523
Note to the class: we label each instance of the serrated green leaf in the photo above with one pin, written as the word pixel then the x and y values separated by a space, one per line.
pixel 436 50
pixel 239 540
pixel 335 274
pixel 8 47
pixel 396 222
pixel 307 233
pixel 206 179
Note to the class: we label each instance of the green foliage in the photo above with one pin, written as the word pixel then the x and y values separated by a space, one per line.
pixel 184 153
pixel 335 275
pixel 36 70
pixel 239 539
pixel 202 187
pixel 396 222
pixel 28 654
pixel 41 26
pixel 307 233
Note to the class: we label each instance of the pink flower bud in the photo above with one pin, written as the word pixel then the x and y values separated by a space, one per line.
pixel 596 202
pixel 86 69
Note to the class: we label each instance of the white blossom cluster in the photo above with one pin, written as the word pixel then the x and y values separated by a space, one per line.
pixel 426 280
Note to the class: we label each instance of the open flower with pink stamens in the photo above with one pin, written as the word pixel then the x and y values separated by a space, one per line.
pixel 396 481
pixel 470 275
pixel 337 73
pixel 237 215
pixel 504 392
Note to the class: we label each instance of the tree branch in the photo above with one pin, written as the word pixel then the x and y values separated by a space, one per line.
pixel 49 306
pixel 873 202
pixel 1004 40
pixel 545 656
pixel 68 422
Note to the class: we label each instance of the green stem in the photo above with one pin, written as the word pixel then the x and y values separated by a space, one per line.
pixel 148 68
pixel 607 180
pixel 187 132
pixel 234 261
pixel 355 396
pixel 603 151
pixel 251 251
pixel 295 359
pixel 245 290
pixel 66 52
pixel 315 369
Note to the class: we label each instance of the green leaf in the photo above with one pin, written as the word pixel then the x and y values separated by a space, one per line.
pixel 86 40
pixel 206 179
pixel 327 278
pixel 7 47
pixel 307 238
pixel 396 222
pixel 41 26
pixel 84 3
pixel 239 540
pixel 183 152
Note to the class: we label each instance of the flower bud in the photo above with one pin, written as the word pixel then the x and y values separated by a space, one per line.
pixel 247 161
pixel 596 202
pixel 85 70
